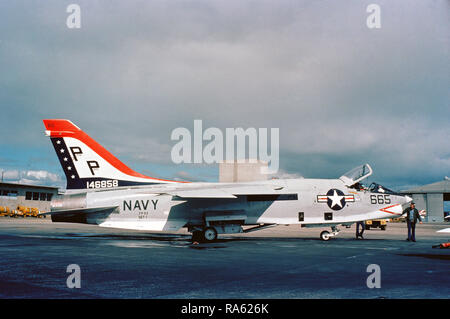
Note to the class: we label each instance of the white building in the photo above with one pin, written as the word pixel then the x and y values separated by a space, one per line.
pixel 15 195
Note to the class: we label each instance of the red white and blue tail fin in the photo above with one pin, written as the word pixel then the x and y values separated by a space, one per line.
pixel 86 163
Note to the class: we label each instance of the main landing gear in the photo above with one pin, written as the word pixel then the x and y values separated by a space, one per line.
pixel 326 235
pixel 205 235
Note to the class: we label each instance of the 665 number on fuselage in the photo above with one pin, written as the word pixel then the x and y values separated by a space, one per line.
pixel 380 199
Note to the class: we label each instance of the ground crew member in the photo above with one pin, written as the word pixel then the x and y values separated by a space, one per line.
pixel 358 233
pixel 412 215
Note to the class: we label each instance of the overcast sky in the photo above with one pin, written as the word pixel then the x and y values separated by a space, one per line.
pixel 340 93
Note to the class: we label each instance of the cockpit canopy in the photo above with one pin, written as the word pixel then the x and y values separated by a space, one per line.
pixel 356 175
pixel 377 188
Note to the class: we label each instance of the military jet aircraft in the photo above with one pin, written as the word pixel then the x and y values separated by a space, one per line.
pixel 101 190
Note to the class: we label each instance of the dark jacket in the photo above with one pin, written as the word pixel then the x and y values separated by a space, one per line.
pixel 416 214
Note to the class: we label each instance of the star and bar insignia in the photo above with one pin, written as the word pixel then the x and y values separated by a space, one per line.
pixel 335 199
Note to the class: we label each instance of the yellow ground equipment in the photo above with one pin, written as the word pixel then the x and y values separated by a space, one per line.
pixel 28 211
pixel 18 213
pixel 7 211
pixel 4 211
pixel 23 210
pixel 375 223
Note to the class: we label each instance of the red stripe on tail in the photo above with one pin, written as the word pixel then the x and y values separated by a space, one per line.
pixel 65 128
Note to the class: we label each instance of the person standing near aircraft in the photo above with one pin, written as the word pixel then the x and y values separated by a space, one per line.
pixel 412 215
pixel 360 233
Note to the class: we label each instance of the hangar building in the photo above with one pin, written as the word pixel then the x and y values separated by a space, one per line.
pixel 431 197
pixel 14 195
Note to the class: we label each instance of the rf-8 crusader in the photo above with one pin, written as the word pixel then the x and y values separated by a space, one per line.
pixel 103 191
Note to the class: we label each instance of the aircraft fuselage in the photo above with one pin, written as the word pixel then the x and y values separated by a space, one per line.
pixel 313 202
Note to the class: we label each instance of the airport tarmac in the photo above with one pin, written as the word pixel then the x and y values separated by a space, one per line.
pixel 281 262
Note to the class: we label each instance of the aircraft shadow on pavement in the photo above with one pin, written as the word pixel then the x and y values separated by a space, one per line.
pixel 184 240
pixel 182 237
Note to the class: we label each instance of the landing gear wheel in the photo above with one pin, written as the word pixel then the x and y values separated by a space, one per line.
pixel 325 235
pixel 210 234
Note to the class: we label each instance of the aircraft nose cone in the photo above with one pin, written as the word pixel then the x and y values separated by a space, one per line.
pixel 406 202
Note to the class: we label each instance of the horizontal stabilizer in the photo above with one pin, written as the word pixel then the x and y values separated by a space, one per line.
pixel 95 215
pixel 92 210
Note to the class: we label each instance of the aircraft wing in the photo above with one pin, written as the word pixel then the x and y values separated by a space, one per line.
pixel 228 191
pixel 201 193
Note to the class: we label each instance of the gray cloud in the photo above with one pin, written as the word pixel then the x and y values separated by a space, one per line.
pixel 32 177
pixel 340 93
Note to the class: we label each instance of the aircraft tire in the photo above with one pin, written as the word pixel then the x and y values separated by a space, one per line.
pixel 325 235
pixel 210 234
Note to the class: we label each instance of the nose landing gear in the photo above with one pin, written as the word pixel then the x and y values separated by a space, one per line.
pixel 326 235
